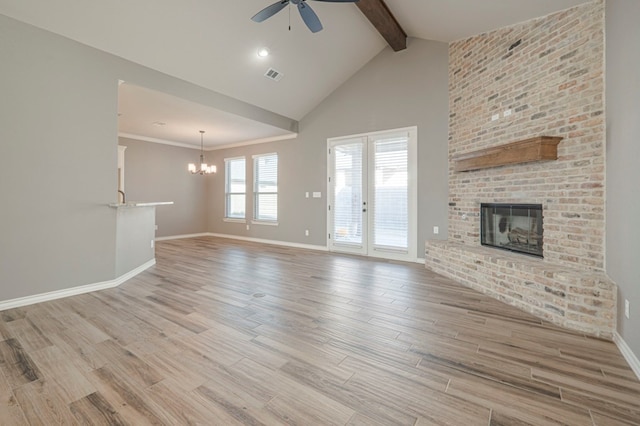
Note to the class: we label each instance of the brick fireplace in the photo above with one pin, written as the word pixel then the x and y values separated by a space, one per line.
pixel 540 78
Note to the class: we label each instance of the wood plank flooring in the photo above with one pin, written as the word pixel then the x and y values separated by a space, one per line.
pixel 222 332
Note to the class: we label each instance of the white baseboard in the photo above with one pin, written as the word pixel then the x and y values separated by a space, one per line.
pixel 257 240
pixel 627 353
pixel 59 294
pixel 241 238
pixel 273 242
pixel 179 237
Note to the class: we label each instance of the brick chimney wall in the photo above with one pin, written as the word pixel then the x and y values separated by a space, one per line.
pixel 548 73
pixel 553 83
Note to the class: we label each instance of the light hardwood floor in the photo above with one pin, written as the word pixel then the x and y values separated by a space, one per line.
pixel 222 332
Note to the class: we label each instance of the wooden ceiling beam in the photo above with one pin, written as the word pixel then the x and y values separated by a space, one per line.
pixel 383 20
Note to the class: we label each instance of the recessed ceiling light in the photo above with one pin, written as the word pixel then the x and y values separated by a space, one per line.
pixel 263 52
pixel 159 123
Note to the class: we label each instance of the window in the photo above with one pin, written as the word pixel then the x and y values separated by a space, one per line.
pixel 265 188
pixel 235 188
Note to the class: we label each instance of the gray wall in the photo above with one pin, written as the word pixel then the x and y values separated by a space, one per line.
pixel 290 205
pixel 57 163
pixel 394 90
pixel 134 234
pixel 623 153
pixel 156 172
pixel 58 156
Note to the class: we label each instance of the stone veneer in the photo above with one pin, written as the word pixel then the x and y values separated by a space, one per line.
pixel 553 83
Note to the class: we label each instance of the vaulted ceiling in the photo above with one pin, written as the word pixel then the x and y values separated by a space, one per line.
pixel 214 44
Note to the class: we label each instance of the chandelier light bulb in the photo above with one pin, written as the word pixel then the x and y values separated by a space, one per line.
pixel 205 169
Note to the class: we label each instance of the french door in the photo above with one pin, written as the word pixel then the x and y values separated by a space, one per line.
pixel 372 194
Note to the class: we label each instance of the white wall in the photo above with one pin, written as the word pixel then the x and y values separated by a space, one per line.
pixel 156 172
pixel 58 156
pixel 394 90
pixel 57 163
pixel 623 153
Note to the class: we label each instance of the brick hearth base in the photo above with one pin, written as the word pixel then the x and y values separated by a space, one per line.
pixel 580 300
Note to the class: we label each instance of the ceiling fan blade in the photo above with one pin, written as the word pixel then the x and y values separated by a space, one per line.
pixel 309 17
pixel 269 11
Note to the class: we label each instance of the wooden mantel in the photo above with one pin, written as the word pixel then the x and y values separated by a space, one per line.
pixel 525 151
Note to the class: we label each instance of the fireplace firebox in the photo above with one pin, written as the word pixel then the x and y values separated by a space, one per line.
pixel 513 227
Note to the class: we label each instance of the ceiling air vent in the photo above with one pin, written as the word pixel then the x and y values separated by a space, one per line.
pixel 273 74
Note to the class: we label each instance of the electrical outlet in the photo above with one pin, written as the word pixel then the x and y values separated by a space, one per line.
pixel 436 230
pixel 494 117
pixel 306 194
pixel 247 227
pixel 627 308
pixel 306 232
pixel 507 112
pixel 152 243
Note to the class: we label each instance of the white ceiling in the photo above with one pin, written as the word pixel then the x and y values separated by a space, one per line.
pixel 213 43
pixel 158 117
pixel 451 20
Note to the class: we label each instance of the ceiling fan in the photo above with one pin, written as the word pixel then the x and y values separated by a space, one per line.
pixel 308 15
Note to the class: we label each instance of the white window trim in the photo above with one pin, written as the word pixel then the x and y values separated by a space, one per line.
pixel 226 194
pixel 234 220
pixel 412 253
pixel 266 154
pixel 255 221
pixel 264 222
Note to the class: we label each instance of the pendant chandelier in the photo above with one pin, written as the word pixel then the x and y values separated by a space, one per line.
pixel 204 168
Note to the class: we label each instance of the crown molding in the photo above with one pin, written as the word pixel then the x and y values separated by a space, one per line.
pixel 197 148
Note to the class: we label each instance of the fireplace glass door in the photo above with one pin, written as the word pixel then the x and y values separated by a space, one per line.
pixel 513 227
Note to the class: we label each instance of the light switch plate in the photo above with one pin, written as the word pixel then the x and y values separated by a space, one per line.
pixel 317 195
pixel 627 309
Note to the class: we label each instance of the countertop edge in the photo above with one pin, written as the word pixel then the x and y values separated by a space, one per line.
pixel 141 204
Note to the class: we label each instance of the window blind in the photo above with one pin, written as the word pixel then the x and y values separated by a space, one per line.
pixel 266 187
pixel 391 194
pixel 235 188
pixel 347 202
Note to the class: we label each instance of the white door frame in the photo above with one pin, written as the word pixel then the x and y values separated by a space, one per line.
pixel 368 248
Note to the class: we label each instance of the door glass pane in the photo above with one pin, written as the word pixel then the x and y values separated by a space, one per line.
pixel 391 194
pixel 347 203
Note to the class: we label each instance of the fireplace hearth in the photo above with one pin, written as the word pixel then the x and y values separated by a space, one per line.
pixel 513 227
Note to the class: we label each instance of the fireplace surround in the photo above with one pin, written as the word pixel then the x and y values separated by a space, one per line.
pixel 552 85
pixel 513 227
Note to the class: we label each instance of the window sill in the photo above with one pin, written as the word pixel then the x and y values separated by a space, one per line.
pixel 232 220
pixel 264 222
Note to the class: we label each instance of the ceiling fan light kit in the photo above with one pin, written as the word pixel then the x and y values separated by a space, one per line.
pixel 306 12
